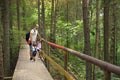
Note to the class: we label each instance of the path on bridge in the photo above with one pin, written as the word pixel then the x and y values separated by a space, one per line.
pixel 27 70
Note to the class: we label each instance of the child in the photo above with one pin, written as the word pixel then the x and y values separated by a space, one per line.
pixel 34 51
pixel 38 46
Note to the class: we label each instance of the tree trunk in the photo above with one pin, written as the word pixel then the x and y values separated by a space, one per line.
pixel 77 9
pixel 52 21
pixel 18 14
pixel 106 36
pixel 86 39
pixel 67 19
pixel 24 14
pixel 6 47
pixel 44 31
pixel 1 53
pixel 113 32
pixel 43 20
pixel 1 59
pixel 55 19
pixel 90 12
pixel 67 38
pixel 11 16
pixel 39 15
pixel 97 36
pixel 18 21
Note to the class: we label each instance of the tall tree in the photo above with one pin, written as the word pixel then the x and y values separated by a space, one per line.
pixel 97 28
pixel 52 21
pixel 86 39
pixel 97 35
pixel 18 19
pixel 39 14
pixel 24 14
pixel 67 20
pixel 78 9
pixel 1 59
pixel 6 47
pixel 55 18
pixel 18 14
pixel 43 33
pixel 106 35
pixel 77 4
pixel 54 10
pixel 113 33
pixel 11 16
pixel 1 53
pixel 43 20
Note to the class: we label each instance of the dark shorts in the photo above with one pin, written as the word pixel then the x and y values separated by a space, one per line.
pixel 34 53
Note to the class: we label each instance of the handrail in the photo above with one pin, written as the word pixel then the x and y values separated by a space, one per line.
pixel 104 65
pixel 67 75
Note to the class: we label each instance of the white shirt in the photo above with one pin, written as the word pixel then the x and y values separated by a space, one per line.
pixel 34 34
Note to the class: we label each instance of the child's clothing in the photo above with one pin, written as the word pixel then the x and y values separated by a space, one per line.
pixel 34 51
pixel 38 46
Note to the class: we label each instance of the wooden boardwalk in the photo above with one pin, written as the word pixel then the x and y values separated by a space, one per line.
pixel 27 70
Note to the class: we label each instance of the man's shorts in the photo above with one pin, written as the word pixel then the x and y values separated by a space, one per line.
pixel 31 47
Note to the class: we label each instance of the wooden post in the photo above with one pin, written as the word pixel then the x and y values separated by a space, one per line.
pixel 65 61
pixel 44 49
pixel 47 51
pixel 48 65
pixel 107 75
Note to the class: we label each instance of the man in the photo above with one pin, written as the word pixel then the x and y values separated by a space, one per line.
pixel 33 36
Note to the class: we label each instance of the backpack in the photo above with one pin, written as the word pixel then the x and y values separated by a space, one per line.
pixel 27 36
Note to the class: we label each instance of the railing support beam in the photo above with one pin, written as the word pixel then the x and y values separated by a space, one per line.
pixel 107 75
pixel 65 62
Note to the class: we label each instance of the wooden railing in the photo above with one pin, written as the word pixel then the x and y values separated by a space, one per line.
pixel 102 64
pixel 62 70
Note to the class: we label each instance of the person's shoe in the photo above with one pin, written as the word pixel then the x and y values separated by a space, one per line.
pixel 33 60
pixel 42 59
pixel 30 58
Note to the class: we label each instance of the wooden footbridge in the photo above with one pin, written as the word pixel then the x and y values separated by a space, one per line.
pixel 27 70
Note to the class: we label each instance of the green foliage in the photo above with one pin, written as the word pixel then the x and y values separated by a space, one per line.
pixel 115 77
pixel 77 67
pixel 73 32
pixel 30 14
pixel 14 45
pixel 68 33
